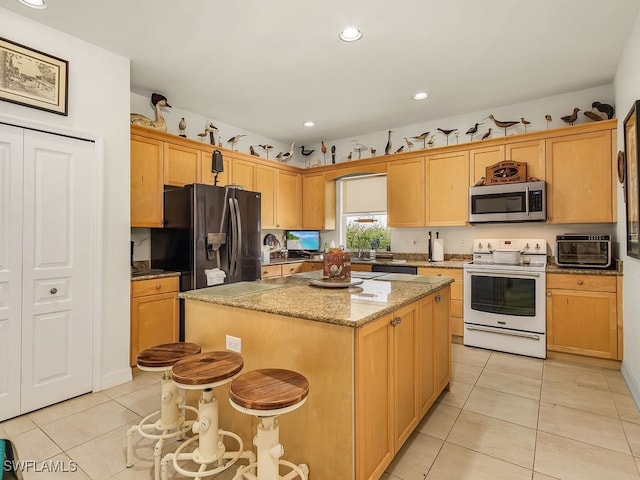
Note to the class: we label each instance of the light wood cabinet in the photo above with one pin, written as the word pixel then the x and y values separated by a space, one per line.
pixel 266 184
pixel 456 297
pixel 318 202
pixel 146 182
pixel 288 200
pixel 532 153
pixel 579 172
pixel 480 159
pixel 447 188
pixel 155 314
pixel 406 193
pixel 243 172
pixel 281 270
pixel 312 266
pixel 181 165
pixel 402 365
pixel 360 267
pixel 582 315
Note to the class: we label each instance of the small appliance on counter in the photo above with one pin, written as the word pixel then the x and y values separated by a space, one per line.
pixel 583 250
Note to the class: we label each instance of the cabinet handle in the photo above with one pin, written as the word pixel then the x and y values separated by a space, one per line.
pixel 396 321
pixel 548 294
pixel 438 298
pixel 158 286
pixel 580 282
pixel 53 291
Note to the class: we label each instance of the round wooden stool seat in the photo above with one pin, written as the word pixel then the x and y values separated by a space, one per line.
pixel 166 355
pixel 268 389
pixel 207 369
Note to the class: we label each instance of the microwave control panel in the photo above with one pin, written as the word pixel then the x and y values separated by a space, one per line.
pixel 536 203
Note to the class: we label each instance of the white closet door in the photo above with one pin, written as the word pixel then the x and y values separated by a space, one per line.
pixel 10 269
pixel 58 273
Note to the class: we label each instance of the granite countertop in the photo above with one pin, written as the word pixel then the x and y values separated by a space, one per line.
pixel 294 296
pixel 152 274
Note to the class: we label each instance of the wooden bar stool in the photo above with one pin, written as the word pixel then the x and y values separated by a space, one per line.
pixel 167 422
pixel 206 371
pixel 266 394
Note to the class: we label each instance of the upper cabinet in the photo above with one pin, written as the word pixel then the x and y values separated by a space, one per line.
pixel 481 158
pixel 281 201
pixel 318 202
pixel 243 173
pixel 146 182
pixel 579 178
pixel 532 153
pixel 181 165
pixel 406 192
pixel 447 188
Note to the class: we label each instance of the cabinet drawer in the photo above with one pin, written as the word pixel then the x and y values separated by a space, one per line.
pixel 599 283
pixel 455 273
pixel 456 308
pixel 456 291
pixel 154 286
pixel 269 271
pixel 291 268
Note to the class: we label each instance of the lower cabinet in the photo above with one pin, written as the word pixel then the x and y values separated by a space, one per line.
pixel 282 269
pixel 582 315
pixel 402 365
pixel 155 314
pixel 457 295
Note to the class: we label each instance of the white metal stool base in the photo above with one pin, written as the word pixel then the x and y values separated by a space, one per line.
pixel 168 422
pixel 211 449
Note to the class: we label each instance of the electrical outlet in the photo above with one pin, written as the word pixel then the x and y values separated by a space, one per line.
pixel 414 241
pixel 462 242
pixel 234 344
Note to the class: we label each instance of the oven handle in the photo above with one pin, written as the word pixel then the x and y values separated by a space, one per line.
pixel 511 274
pixel 512 333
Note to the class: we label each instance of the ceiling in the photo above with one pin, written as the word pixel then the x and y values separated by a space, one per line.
pixel 269 66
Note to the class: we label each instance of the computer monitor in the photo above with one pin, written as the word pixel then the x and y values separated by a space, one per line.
pixel 303 240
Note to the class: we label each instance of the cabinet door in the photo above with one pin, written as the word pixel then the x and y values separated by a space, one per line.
pixel 426 356
pixel 480 159
pixel 448 189
pixel 243 173
pixel 266 181
pixel 531 153
pixel 579 178
pixel 207 176
pixel 146 182
pixel 154 320
pixel 582 322
pixel 291 268
pixel 374 399
pixel 406 193
pixel 318 202
pixel 181 165
pixel 442 338
pixel 289 200
pixel 457 295
pixel 405 373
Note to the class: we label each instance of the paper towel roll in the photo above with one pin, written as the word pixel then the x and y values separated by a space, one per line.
pixel 438 250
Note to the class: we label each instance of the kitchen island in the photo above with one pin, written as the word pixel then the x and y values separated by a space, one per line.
pixel 376 355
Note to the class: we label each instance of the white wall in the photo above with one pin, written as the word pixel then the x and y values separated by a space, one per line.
pixel 627 90
pixel 98 106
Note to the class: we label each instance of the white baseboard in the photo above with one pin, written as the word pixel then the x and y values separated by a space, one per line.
pixel 112 379
pixel 634 388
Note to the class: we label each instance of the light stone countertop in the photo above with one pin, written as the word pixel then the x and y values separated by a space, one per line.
pixel 354 306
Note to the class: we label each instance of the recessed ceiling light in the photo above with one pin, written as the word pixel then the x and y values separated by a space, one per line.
pixel 309 124
pixel 420 96
pixel 350 34
pixel 40 4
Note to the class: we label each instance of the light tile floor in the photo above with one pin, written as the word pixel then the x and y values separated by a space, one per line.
pixel 505 417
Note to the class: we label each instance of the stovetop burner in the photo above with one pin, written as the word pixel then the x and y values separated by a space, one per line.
pixel 510 254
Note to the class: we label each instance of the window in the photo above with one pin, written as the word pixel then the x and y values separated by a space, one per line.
pixel 363 213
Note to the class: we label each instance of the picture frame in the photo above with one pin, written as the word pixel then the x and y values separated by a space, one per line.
pixel 631 130
pixel 33 78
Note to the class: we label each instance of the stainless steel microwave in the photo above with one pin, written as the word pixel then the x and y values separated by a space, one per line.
pixel 580 250
pixel 508 202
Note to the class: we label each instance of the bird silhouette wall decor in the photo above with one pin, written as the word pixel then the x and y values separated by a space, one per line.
pixel 234 140
pixel 253 152
pixel 157 100
pixel 333 154
pixel 525 123
pixel 387 149
pixel 359 147
pixel 593 116
pixel 409 143
pixel 211 129
pixel 548 118
pixel 486 135
pixel 446 133
pixel 503 124
pixel 570 119
pixel 473 130
pixel 605 108
pixel 182 126
pixel 266 147
pixel 323 148
pixel 423 136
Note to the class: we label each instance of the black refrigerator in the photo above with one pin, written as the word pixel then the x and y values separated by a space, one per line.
pixel 205 227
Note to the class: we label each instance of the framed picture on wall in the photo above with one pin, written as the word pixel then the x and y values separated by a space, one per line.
pixel 631 180
pixel 33 78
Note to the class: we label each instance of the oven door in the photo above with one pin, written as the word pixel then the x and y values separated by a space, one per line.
pixel 505 299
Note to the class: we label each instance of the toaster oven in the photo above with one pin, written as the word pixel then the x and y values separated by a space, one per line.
pixel 587 251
